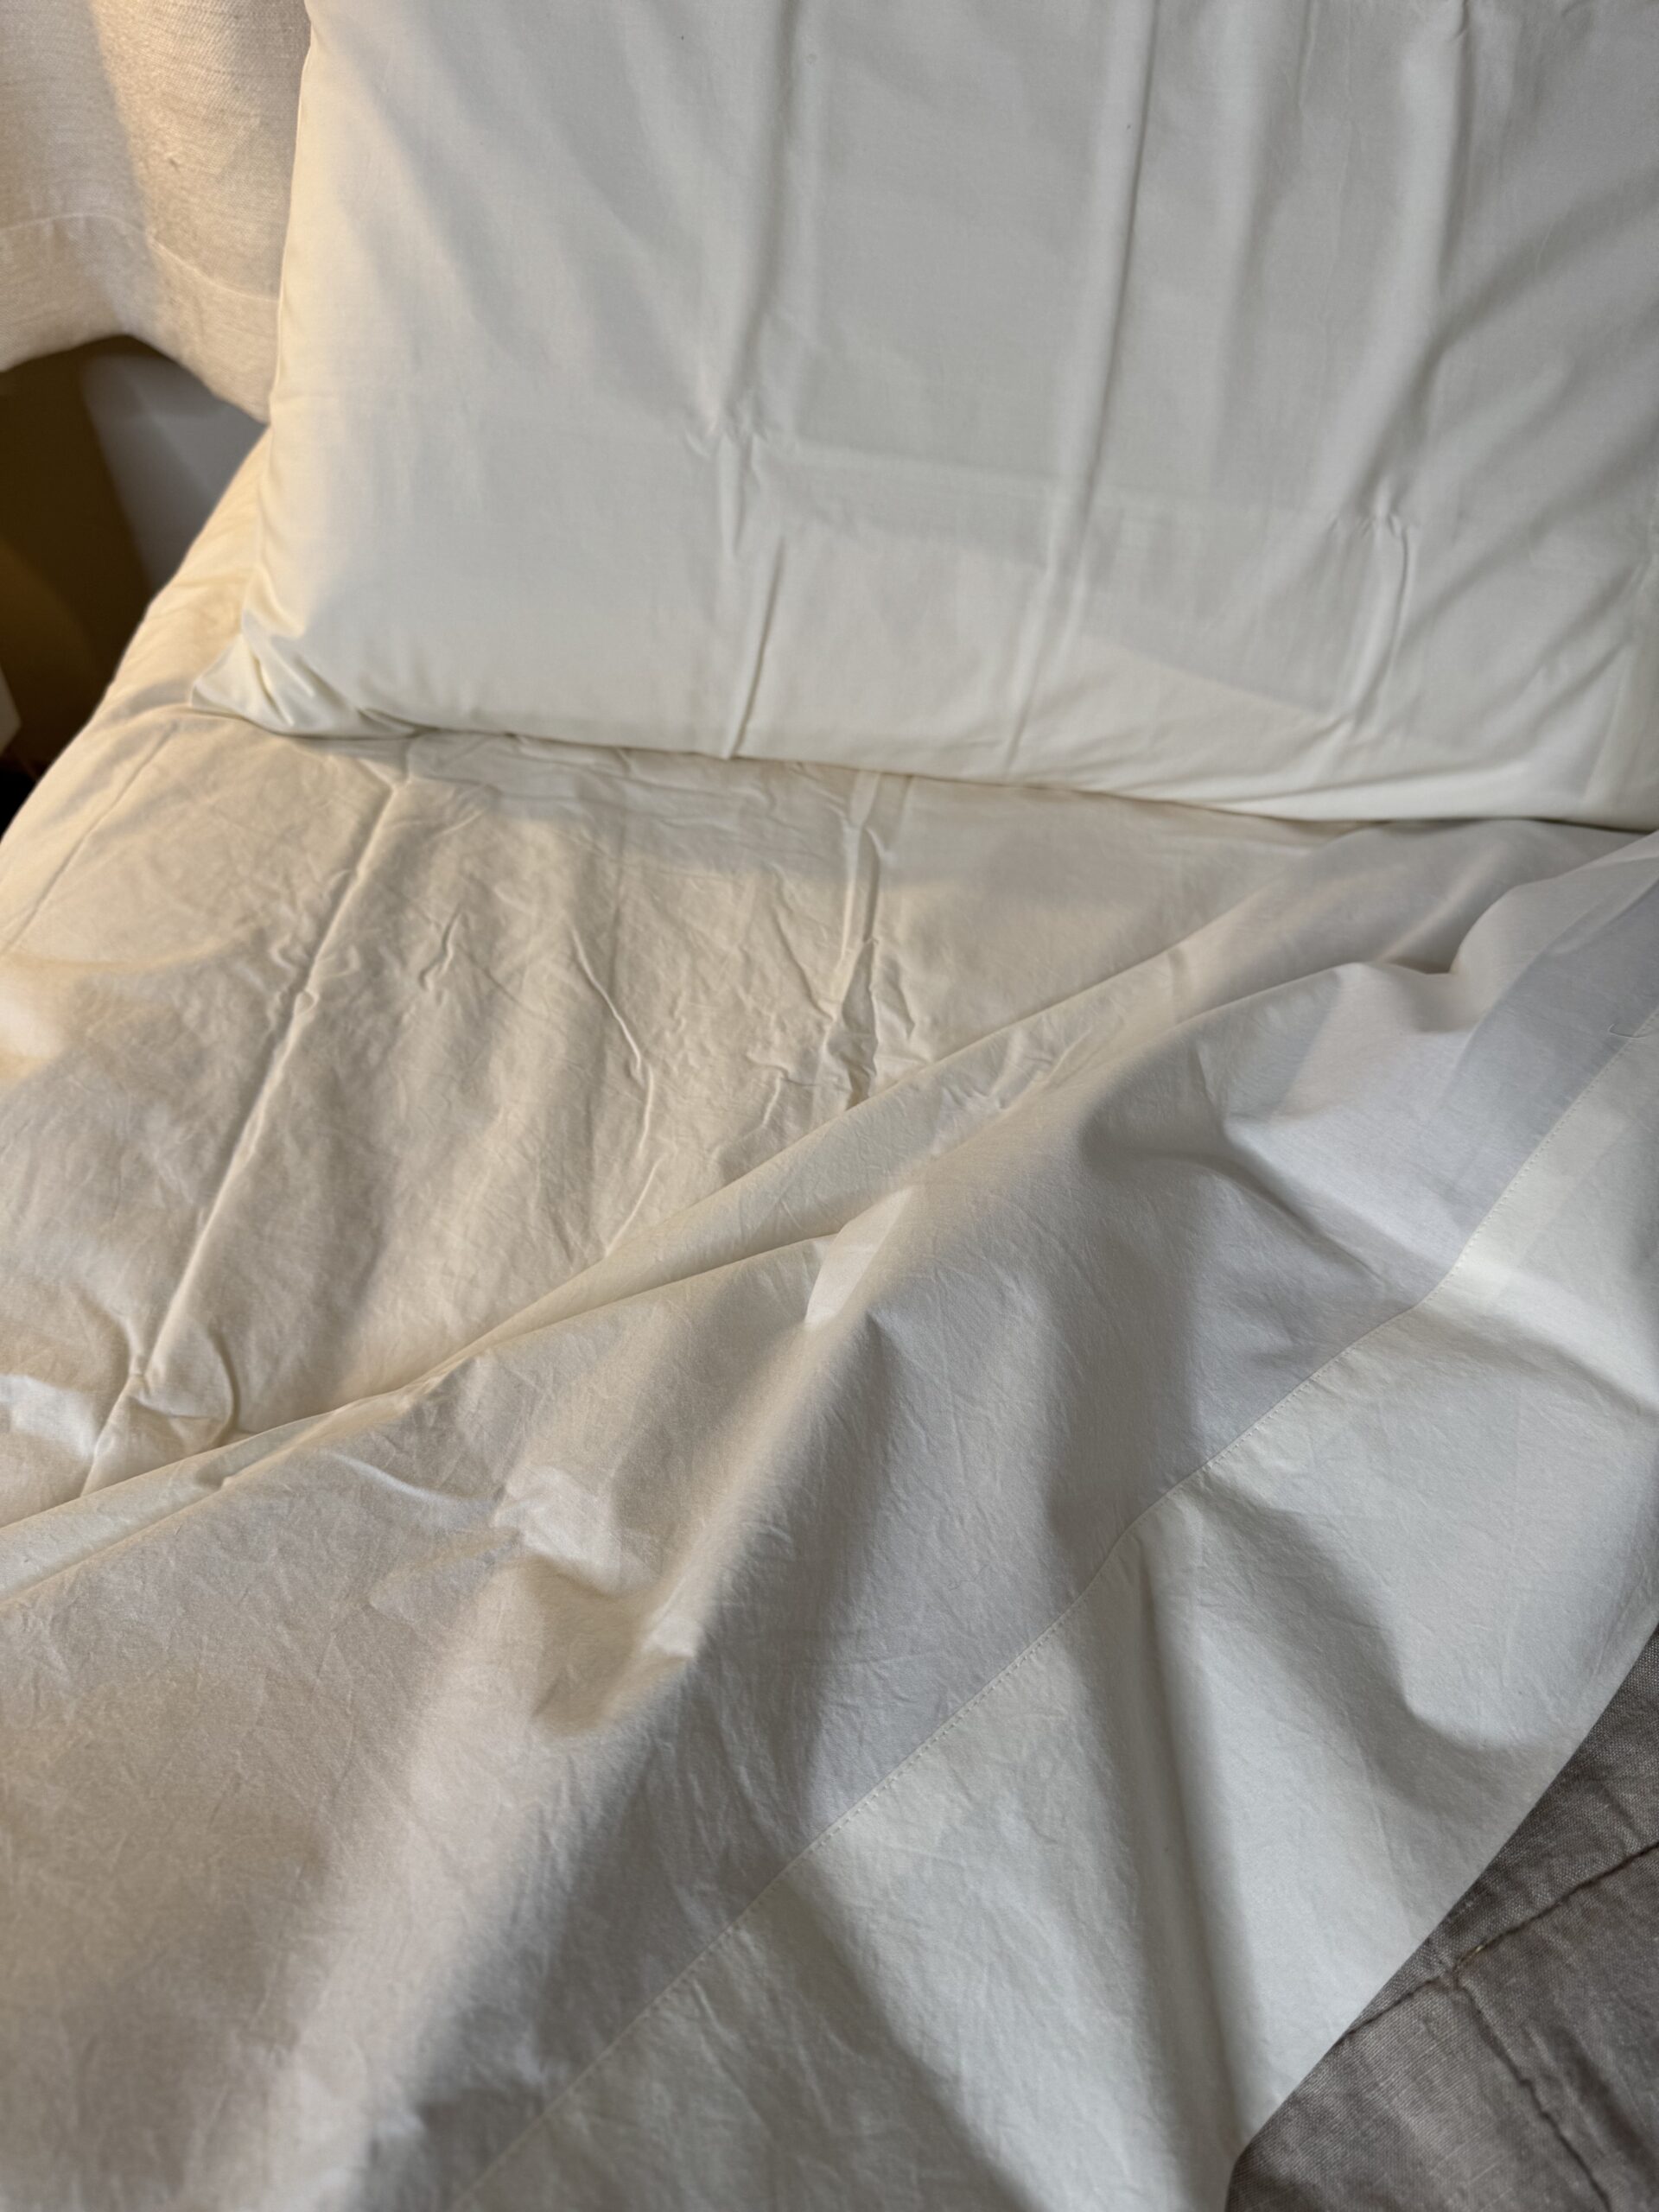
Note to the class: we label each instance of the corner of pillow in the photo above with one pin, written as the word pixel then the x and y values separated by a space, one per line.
pixel 264 680
pixel 234 684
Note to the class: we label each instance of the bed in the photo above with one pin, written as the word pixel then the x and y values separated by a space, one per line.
pixel 730 1482
pixel 747 1483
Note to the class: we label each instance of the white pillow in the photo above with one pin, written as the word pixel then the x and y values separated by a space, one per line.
pixel 1254 402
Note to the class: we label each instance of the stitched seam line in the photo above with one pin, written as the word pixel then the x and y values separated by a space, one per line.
pixel 158 245
pixel 1452 1977
pixel 1500 2050
pixel 1500 1205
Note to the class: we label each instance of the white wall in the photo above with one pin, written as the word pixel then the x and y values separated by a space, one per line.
pixel 170 446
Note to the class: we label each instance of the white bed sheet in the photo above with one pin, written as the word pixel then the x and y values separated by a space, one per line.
pixel 398 1037
pixel 731 1484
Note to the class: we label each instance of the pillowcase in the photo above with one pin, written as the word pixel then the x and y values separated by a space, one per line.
pixel 1256 405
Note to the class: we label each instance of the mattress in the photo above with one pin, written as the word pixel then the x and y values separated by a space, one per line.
pixel 730 1483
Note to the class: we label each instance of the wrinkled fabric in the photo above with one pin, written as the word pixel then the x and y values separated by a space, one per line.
pixel 1251 406
pixel 1508 2067
pixel 145 150
pixel 730 1483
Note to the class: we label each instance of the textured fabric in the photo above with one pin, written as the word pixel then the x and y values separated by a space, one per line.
pixel 1512 2065
pixel 145 148
pixel 1246 405
pixel 570 992
pixel 738 1486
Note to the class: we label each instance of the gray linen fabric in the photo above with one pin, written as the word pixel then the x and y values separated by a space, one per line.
pixel 1512 2065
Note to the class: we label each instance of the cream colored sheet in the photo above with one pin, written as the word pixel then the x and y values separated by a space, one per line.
pixel 730 1485
pixel 405 1037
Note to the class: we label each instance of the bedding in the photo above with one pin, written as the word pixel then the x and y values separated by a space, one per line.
pixel 1508 2067
pixel 731 1482
pixel 145 148
pixel 1247 406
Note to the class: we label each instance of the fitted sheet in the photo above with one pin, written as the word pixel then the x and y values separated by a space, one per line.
pixel 730 1483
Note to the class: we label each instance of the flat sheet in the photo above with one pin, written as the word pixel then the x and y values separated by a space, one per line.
pixel 730 1484
pixel 410 1035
